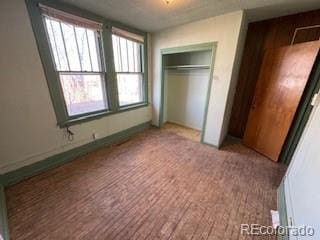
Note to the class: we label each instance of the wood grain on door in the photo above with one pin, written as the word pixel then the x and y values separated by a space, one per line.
pixel 283 76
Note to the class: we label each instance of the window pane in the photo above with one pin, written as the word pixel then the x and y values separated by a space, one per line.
pixel 124 54
pixel 53 44
pixel 83 93
pixel 130 88
pixel 137 58
pixel 57 44
pixel 83 49
pixel 116 53
pixel 94 50
pixel 71 46
pixel 131 56
pixel 127 55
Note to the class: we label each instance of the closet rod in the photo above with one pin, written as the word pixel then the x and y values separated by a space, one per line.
pixel 188 67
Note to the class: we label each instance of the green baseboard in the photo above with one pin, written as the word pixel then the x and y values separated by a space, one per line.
pixel 282 209
pixel 4 229
pixel 61 158
pixel 210 144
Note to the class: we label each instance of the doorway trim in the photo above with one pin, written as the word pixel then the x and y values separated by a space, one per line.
pixel 189 48
pixel 302 115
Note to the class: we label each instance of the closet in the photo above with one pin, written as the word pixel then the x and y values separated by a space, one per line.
pixel 186 80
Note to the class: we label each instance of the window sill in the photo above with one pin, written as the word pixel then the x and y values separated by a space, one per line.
pixel 95 116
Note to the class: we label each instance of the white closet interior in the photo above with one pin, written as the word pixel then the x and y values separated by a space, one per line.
pixel 186 79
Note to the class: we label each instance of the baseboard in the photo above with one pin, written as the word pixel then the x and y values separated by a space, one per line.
pixel 61 158
pixel 210 144
pixel 4 229
pixel 282 208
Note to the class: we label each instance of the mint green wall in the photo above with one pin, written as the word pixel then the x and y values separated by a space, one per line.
pixel 28 124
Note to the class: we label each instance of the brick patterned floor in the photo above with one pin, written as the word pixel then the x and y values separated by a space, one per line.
pixel 157 185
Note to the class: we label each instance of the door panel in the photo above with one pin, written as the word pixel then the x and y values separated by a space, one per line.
pixel 302 179
pixel 282 79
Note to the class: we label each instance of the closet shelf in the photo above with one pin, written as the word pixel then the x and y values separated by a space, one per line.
pixel 182 67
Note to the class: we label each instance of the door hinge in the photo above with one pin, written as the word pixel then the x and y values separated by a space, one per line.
pixel 315 100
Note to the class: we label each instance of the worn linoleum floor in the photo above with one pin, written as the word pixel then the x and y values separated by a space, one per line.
pixel 157 185
pixel 180 130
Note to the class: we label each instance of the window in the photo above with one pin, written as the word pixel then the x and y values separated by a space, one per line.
pixel 77 59
pixel 128 60
pixel 85 79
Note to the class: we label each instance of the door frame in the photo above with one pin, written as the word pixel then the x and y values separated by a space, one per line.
pixel 212 46
pixel 302 115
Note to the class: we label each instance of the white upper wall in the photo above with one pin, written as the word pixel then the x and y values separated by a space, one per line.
pixel 28 125
pixel 234 77
pixel 224 30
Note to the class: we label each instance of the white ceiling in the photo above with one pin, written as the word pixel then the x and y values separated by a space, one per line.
pixel 154 15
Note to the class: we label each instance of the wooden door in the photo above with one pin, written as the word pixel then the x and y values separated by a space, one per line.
pixel 282 79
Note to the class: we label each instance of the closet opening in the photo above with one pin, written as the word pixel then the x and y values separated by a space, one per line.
pixel 186 83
